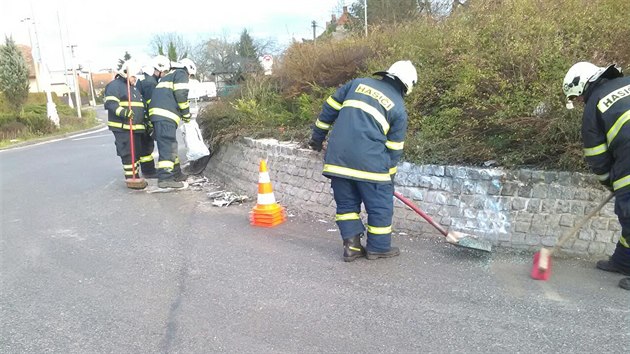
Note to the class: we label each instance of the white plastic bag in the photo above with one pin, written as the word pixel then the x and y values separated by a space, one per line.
pixel 195 147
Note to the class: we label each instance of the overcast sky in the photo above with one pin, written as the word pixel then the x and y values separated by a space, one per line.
pixel 103 30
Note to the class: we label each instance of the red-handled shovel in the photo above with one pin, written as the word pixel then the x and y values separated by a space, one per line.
pixel 453 237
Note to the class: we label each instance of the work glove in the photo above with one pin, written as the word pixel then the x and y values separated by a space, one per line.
pixel 186 118
pixel 129 114
pixel 149 128
pixel 315 145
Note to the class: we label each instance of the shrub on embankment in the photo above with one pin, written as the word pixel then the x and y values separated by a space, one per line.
pixel 489 89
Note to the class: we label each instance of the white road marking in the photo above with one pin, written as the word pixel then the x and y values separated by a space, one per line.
pixel 55 140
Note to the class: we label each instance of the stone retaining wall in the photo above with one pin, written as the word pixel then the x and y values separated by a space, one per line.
pixel 523 209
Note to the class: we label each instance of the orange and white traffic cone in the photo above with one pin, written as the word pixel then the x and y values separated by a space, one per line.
pixel 267 212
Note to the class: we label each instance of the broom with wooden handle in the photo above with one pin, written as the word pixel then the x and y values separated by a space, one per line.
pixel 133 182
pixel 542 259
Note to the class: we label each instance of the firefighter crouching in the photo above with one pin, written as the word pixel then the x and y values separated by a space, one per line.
pixel 364 147
pixel 605 93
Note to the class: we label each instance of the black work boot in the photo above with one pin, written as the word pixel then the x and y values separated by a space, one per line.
pixel 393 252
pixel 180 177
pixel 169 183
pixel 625 283
pixel 610 266
pixel 352 248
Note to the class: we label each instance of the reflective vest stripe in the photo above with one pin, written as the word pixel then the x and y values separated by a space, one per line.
pixel 165 84
pixel 392 145
pixel 334 104
pixel 125 126
pixel 603 177
pixel 614 130
pixel 345 171
pixel 347 216
pixel 147 158
pixel 596 150
pixel 380 118
pixel 111 98
pixel 164 113
pixel 165 164
pixel 322 125
pixel 621 182
pixel 380 230
pixel 182 86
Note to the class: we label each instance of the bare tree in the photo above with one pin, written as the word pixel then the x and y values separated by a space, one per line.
pixel 171 45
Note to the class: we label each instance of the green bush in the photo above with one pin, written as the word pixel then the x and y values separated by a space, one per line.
pixel 489 87
pixel 37 123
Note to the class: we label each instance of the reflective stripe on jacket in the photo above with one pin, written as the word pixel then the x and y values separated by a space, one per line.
pixel 169 100
pixel 117 105
pixel 367 121
pixel 606 132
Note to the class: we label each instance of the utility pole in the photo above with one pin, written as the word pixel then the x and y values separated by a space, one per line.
pixel 28 22
pixel 63 51
pixel 77 93
pixel 365 15
pixel 91 82
pixel 314 24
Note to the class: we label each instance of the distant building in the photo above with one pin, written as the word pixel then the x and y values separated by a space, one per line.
pixel 27 53
pixel 338 26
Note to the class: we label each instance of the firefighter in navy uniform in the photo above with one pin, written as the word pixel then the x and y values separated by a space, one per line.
pixel 160 65
pixel 367 121
pixel 169 105
pixel 605 93
pixel 118 114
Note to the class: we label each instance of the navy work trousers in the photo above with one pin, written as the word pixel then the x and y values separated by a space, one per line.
pixel 147 146
pixel 123 149
pixel 379 205
pixel 166 139
pixel 621 256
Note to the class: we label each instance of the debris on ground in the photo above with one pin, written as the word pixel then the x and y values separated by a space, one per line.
pixel 225 198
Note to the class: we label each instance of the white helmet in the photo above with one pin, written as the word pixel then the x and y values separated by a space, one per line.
pixel 404 71
pixel 189 65
pixel 161 63
pixel 580 75
pixel 131 67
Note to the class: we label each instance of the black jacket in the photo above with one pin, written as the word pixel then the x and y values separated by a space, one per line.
pixel 117 105
pixel 606 132
pixel 169 100
pixel 367 121
pixel 146 88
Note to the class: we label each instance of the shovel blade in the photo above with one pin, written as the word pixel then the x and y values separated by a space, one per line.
pixel 461 239
pixel 540 274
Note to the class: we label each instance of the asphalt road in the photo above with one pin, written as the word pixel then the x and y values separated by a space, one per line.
pixel 88 266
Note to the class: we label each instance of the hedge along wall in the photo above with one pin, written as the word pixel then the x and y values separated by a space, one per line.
pixel 523 209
